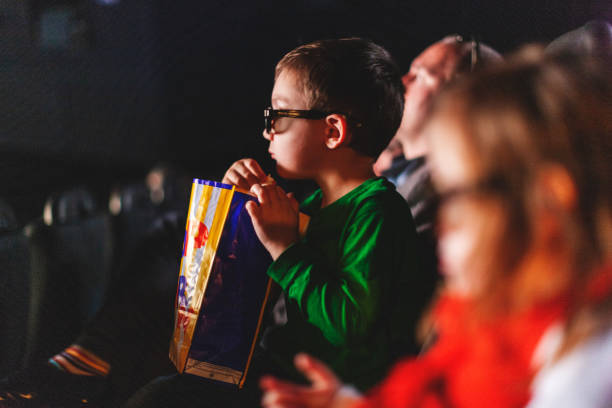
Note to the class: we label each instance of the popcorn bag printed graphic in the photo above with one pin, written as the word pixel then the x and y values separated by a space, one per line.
pixel 222 286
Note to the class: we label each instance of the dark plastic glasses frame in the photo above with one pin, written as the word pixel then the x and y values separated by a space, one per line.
pixel 271 114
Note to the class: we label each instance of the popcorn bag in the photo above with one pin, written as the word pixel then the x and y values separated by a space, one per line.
pixel 222 288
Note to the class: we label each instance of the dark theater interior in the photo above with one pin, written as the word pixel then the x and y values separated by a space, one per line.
pixel 97 92
pixel 109 108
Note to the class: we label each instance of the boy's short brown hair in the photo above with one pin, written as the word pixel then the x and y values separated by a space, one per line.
pixel 354 77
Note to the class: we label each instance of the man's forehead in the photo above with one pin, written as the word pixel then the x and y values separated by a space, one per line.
pixel 438 58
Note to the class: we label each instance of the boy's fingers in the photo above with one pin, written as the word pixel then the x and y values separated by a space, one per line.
pixel 316 371
pixel 286 199
pixel 255 169
pixel 247 174
pixel 253 210
pixel 244 181
pixel 233 177
pixel 250 179
pixel 244 173
pixel 294 203
pixel 261 192
pixel 270 192
pixel 257 190
pixel 279 192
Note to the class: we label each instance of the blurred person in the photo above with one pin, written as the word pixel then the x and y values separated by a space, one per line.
pixel 521 156
pixel 579 377
pixel 403 161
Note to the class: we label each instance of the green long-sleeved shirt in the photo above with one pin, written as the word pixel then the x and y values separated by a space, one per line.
pixel 351 284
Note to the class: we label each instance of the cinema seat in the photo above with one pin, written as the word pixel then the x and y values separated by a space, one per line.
pixel 72 248
pixel 14 290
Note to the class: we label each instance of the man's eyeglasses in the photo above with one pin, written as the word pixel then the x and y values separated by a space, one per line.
pixel 270 115
pixel 474 53
pixel 474 49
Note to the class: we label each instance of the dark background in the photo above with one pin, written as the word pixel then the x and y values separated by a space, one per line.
pixel 95 92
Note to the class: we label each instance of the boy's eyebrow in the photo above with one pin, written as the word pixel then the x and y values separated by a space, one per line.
pixel 279 99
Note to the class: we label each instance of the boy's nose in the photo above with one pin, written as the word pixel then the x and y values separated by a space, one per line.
pixel 266 135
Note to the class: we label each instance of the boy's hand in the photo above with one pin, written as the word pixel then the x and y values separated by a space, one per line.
pixel 275 219
pixel 244 173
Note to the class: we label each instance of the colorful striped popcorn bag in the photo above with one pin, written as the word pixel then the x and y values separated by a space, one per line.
pixel 222 288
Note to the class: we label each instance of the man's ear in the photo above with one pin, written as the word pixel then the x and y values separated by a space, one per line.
pixel 557 187
pixel 337 131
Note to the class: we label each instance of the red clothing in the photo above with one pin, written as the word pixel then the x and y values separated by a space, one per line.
pixel 488 365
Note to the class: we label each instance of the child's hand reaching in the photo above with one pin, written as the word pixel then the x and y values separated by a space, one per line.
pixel 326 390
pixel 244 173
pixel 275 219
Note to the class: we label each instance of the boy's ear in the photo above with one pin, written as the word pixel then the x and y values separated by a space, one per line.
pixel 337 131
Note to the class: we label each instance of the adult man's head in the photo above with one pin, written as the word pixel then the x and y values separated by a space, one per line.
pixel 592 39
pixel 437 65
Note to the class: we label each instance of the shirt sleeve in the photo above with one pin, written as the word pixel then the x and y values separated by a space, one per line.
pixel 340 296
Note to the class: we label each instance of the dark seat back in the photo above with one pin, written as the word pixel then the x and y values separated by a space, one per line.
pixel 14 290
pixel 73 251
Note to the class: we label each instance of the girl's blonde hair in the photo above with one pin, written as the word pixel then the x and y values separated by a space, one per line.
pixel 531 112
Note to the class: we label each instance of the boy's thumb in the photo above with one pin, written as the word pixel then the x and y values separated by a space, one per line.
pixel 253 210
